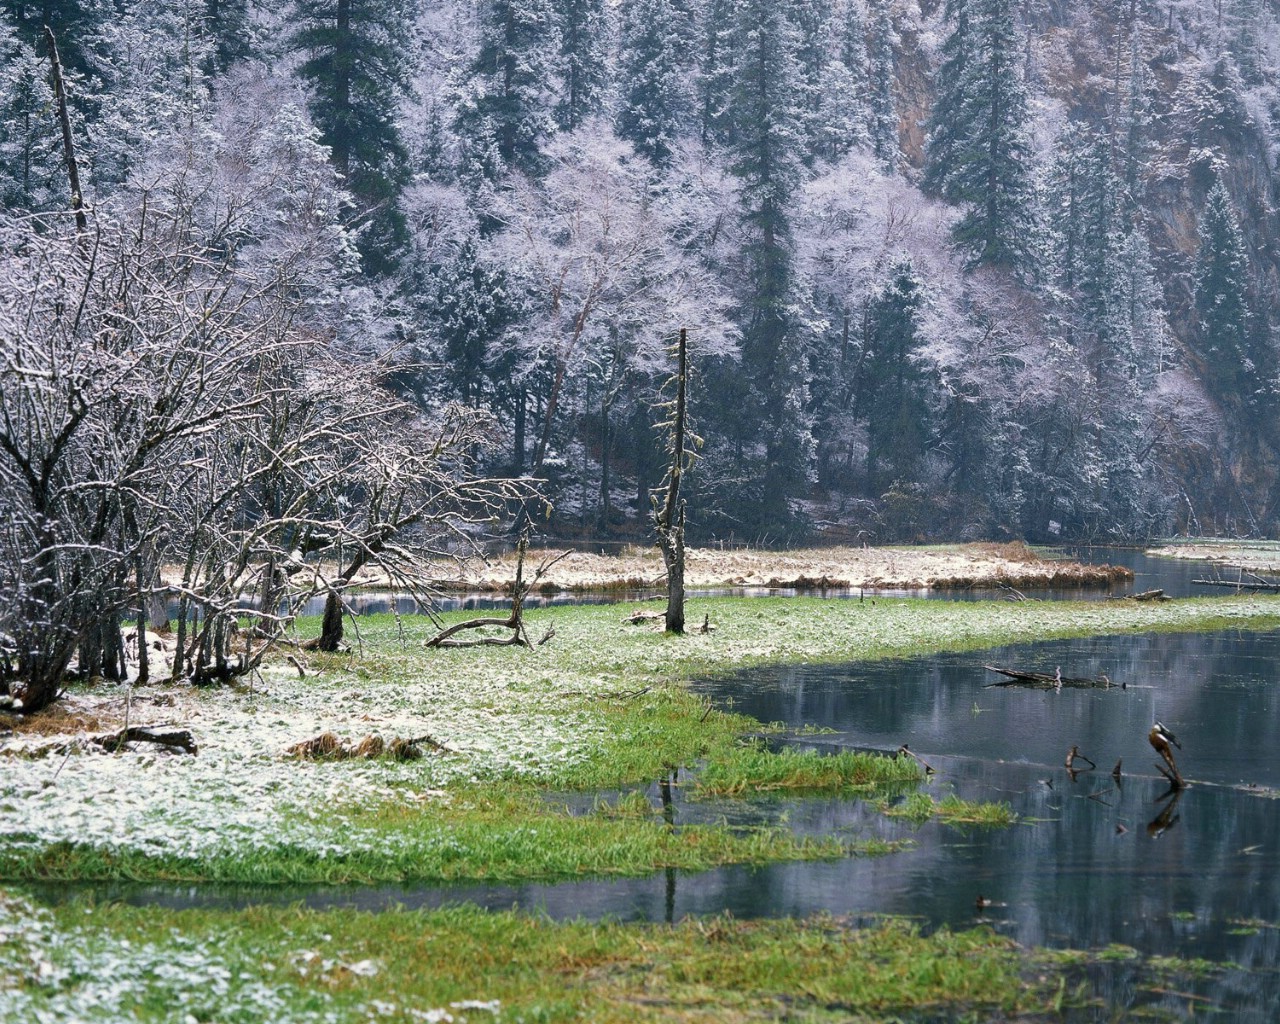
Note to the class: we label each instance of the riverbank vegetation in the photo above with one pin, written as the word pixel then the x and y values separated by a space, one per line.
pixel 602 706
pixel 604 711
pixel 463 964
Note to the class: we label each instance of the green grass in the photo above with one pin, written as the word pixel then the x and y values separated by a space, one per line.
pixel 603 706
pixel 106 963
pixel 754 769
pixel 490 834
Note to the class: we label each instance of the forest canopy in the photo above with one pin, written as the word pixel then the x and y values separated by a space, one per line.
pixel 950 268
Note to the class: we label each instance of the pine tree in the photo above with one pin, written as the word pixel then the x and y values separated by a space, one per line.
pixel 882 109
pixel 1221 282
pixel 716 72
pixel 510 89
pixel 357 61
pixel 893 388
pixel 654 101
pixel 1136 123
pixel 990 169
pixel 945 131
pixel 765 158
pixel 76 24
pixel 842 110
pixel 229 23
pixel 584 67
pixel 813 24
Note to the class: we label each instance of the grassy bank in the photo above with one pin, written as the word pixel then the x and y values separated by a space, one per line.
pixel 601 706
pixel 604 706
pixel 88 962
pixel 94 963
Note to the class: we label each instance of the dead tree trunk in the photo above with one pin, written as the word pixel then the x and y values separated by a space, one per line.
pixel 669 517
pixel 68 147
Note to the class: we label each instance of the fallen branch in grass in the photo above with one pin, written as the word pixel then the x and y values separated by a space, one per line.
pixel 328 747
pixel 514 621
pixel 179 739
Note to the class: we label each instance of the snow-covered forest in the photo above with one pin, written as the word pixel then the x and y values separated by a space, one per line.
pixel 951 268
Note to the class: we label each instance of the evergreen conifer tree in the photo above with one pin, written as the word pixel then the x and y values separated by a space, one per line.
pixel 357 58
pixel 654 99
pixel 31 173
pixel 510 89
pixel 584 67
pixel 813 25
pixel 842 110
pixel 766 160
pixel 882 109
pixel 945 131
pixel 990 159
pixel 1221 282
pixel 716 72
pixel 894 386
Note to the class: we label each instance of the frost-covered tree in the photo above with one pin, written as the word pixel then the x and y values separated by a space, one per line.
pixel 152 65
pixel 654 96
pixel 599 278
pixel 510 88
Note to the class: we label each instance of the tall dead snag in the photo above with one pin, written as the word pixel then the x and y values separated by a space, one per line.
pixel 668 517
pixel 513 621
pixel 68 147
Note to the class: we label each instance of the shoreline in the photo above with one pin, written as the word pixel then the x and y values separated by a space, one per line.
pixel 950 567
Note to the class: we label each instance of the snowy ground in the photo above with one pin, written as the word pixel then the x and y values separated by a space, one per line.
pixel 840 567
pixel 1252 556
pixel 242 792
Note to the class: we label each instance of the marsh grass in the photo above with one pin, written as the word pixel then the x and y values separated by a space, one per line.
pixel 108 963
pixel 604 706
pixel 490 834
pixel 752 768
pixel 920 807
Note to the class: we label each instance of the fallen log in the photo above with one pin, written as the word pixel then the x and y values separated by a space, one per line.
pixel 180 739
pixel 1049 681
pixel 1256 584
pixel 639 618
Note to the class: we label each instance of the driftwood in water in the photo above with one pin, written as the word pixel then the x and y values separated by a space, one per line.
pixel 179 739
pixel 1049 681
